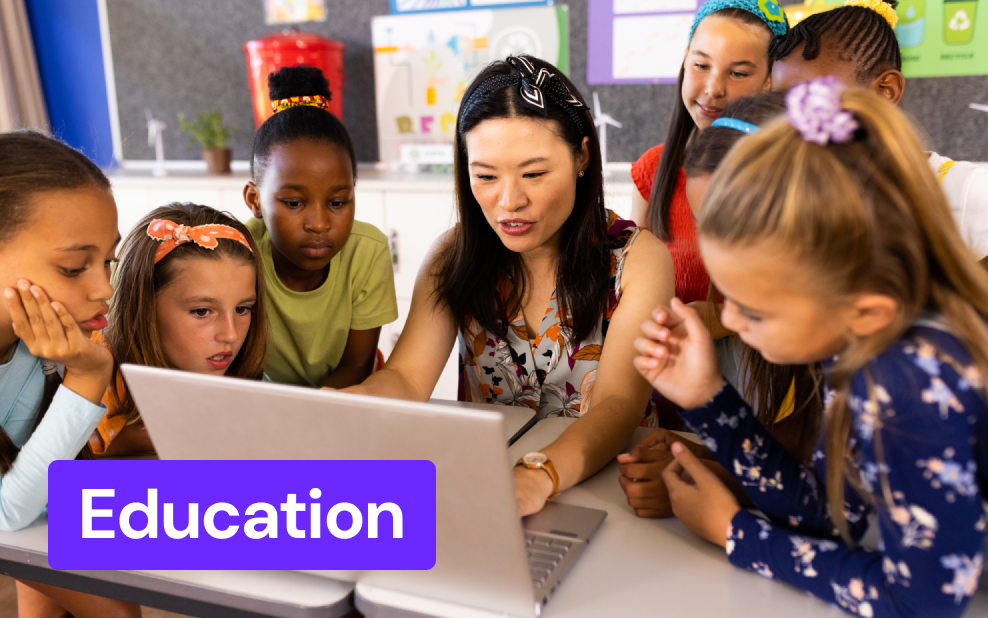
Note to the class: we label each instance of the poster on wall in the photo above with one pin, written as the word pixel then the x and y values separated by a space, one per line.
pixel 422 6
pixel 937 38
pixel 941 38
pixel 293 11
pixel 637 41
pixel 423 64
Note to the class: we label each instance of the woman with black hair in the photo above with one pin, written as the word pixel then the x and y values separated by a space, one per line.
pixel 545 287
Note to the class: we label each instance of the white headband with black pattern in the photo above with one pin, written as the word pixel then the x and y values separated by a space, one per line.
pixel 533 90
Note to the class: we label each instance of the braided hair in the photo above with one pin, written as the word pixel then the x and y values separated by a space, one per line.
pixel 856 34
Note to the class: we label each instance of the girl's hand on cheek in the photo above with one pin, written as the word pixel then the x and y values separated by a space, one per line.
pixel 699 499
pixel 676 355
pixel 51 333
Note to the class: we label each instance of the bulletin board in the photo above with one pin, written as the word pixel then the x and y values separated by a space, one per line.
pixel 423 63
pixel 421 6
pixel 637 41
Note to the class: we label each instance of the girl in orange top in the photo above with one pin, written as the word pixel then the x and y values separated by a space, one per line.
pixel 727 59
pixel 189 297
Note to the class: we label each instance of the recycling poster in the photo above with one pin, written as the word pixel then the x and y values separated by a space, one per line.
pixel 941 38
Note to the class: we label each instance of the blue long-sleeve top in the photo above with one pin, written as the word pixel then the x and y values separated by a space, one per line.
pixel 62 433
pixel 920 446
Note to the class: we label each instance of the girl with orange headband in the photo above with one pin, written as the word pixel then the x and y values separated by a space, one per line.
pixel 189 296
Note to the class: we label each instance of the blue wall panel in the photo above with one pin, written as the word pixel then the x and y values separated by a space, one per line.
pixel 70 59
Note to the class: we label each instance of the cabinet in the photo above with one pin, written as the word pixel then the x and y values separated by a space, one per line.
pixel 411 209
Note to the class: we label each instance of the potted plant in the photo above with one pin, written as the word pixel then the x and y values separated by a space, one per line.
pixel 209 132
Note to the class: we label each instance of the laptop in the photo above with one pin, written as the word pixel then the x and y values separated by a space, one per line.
pixel 517 419
pixel 484 558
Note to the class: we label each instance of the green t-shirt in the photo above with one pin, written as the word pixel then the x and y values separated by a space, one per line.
pixel 308 330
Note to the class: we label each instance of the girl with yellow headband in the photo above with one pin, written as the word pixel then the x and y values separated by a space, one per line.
pixel 857 44
pixel 329 277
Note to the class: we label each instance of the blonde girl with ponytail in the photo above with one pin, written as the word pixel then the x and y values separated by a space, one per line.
pixel 832 241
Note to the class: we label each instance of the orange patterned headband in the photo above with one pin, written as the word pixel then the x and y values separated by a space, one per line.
pixel 171 235
pixel 314 101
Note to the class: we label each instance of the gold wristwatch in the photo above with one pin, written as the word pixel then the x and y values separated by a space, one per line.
pixel 540 461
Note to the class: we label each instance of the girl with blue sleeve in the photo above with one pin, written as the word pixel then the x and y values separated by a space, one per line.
pixel 831 241
pixel 57 242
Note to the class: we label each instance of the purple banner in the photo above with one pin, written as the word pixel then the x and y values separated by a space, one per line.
pixel 192 515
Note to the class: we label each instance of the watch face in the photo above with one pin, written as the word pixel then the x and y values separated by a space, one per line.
pixel 535 458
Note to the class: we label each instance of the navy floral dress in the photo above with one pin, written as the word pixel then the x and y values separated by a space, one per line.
pixel 919 442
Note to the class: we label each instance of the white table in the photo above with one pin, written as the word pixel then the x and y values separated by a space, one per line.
pixel 637 567
pixel 286 594
pixel 241 594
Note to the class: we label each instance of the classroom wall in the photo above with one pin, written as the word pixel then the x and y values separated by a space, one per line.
pixel 186 55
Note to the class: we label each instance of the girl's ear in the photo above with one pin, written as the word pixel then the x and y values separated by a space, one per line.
pixel 891 85
pixel 870 313
pixel 252 197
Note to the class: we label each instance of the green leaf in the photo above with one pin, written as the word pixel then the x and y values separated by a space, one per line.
pixel 207 130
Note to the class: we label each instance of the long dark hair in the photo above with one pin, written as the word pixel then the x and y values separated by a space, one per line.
pixel 32 163
pixel 132 333
pixel 475 260
pixel 678 136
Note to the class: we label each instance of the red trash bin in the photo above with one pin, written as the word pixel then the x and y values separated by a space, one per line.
pixel 288 49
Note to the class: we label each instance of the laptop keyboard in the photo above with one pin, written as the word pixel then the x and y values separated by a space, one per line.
pixel 544 555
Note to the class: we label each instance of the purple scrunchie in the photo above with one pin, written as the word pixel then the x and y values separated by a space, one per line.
pixel 814 109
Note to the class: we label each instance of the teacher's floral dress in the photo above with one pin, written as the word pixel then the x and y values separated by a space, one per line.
pixel 553 375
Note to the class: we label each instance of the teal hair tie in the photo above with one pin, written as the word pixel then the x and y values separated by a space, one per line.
pixel 737 125
pixel 768 11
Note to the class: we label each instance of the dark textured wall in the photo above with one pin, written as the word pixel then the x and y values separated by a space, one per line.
pixel 185 55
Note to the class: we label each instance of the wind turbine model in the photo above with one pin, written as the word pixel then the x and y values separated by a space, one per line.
pixel 602 120
pixel 155 128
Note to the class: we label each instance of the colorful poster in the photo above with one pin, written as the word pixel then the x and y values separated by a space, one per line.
pixel 938 38
pixel 423 63
pixel 294 11
pixel 637 41
pixel 941 38
pixel 423 6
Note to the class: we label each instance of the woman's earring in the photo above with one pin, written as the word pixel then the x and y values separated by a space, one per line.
pixel 580 174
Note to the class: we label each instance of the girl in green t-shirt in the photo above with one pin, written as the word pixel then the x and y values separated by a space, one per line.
pixel 329 278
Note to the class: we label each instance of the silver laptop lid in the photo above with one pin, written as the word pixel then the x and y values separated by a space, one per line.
pixel 480 553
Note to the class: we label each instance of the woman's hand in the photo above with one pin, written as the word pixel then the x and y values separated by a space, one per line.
pixel 51 333
pixel 532 488
pixel 676 355
pixel 699 499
